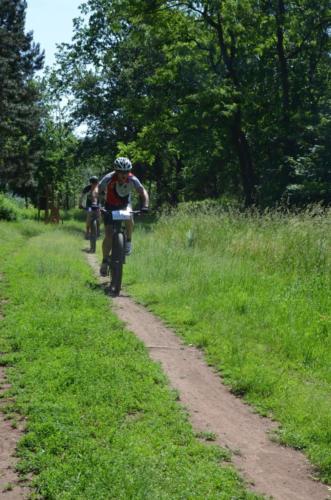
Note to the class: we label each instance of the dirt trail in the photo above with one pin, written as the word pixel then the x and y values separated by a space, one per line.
pixel 11 488
pixel 270 469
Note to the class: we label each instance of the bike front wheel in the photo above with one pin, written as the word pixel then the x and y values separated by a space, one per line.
pixel 116 264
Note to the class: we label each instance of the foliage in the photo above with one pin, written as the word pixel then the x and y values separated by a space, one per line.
pixel 11 209
pixel 57 167
pixel 208 98
pixel 38 150
pixel 19 95
pixel 313 172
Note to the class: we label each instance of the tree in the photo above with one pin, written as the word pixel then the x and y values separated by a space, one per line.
pixel 212 96
pixel 19 95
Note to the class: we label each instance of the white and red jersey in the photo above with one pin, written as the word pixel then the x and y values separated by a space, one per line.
pixel 118 195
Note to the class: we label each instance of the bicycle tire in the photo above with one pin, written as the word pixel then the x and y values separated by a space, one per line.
pixel 116 263
pixel 93 236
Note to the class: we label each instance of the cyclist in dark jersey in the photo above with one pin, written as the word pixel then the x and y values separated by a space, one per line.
pixel 89 200
pixel 117 187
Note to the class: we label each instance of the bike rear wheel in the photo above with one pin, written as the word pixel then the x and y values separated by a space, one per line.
pixel 93 235
pixel 116 263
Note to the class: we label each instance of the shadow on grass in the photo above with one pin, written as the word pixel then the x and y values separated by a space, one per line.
pixel 99 287
pixel 87 250
pixel 104 287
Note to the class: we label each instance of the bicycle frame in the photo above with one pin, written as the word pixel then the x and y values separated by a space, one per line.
pixel 117 259
pixel 118 227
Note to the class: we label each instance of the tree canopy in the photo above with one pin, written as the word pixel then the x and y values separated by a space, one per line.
pixel 210 99
pixel 19 109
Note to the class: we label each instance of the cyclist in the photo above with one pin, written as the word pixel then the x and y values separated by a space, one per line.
pixel 89 200
pixel 117 187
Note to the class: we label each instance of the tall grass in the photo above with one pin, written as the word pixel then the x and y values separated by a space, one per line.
pixel 253 291
pixel 101 420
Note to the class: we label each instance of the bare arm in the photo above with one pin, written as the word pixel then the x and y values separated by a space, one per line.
pixel 81 200
pixel 144 197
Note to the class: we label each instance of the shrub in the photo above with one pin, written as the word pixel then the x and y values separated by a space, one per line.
pixel 11 209
pixel 8 209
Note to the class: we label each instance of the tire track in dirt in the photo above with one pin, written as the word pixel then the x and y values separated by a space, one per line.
pixel 268 468
pixel 11 488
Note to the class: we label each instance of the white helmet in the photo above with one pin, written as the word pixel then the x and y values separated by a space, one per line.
pixel 123 164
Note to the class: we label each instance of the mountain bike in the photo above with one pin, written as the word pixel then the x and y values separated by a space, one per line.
pixel 117 258
pixel 94 222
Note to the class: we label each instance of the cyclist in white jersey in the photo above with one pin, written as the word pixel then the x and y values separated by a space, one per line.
pixel 117 187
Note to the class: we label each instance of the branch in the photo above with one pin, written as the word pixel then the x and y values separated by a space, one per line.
pixel 323 24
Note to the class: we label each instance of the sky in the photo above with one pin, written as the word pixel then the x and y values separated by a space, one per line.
pixel 51 23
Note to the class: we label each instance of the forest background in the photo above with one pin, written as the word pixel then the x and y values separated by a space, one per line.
pixel 212 99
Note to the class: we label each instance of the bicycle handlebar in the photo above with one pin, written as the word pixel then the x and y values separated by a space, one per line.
pixel 134 212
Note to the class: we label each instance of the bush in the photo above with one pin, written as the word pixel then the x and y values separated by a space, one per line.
pixel 8 209
pixel 11 210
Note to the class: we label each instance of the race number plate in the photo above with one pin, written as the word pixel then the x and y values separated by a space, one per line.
pixel 121 214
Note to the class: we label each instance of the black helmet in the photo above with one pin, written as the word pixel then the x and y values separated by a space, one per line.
pixel 93 179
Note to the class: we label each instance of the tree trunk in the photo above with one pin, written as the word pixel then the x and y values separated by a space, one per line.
pixel 287 138
pixel 158 176
pixel 178 165
pixel 283 65
pixel 239 138
pixel 242 149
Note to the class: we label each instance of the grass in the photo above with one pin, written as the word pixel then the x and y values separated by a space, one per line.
pixel 101 420
pixel 253 291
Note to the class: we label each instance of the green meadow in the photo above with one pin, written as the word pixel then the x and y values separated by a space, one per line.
pixel 252 291
pixel 101 420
